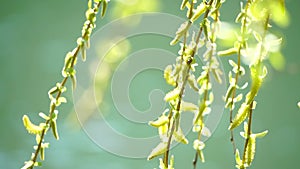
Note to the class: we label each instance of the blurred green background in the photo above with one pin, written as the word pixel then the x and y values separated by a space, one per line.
pixel 35 36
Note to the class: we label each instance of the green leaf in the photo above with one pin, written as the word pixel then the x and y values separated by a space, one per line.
pixel 90 15
pixel 228 52
pixel 172 95
pixel 168 75
pixel 201 8
pixel 183 4
pixel 54 126
pixel 45 145
pixel 90 3
pixel 238 160
pixel 180 32
pixel 250 150
pixel 28 164
pixel 158 150
pixel 68 59
pixel 201 156
pixel 201 109
pixel 192 82
pixel 59 101
pixel 229 92
pixel 179 136
pixel 257 36
pixel 257 76
pixel 261 134
pixel 162 131
pixel 104 7
pixel 60 87
pixel 241 116
pixel 30 127
pixel 37 164
pixel 42 153
pixel 186 106
pixel 82 49
pixel 37 138
pixel 52 91
pixel 162 120
pixel 44 116
pixel 206 27
pixel 74 81
pixel 240 16
pixel 217 75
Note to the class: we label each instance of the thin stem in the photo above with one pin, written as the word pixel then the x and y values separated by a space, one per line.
pixel 243 31
pixel 248 134
pixel 232 97
pixel 208 78
pixel 166 155
pixel 52 108
pixel 195 160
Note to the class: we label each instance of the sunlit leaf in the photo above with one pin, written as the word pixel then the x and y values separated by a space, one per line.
pixel 172 95
pixel 180 32
pixel 83 53
pixel 250 150
pixel 201 156
pixel 183 4
pixel 193 83
pixel 52 91
pixel 257 36
pixel 240 116
pixel 168 75
pixel 44 116
pixel 238 160
pixel 30 127
pixel 179 136
pixel 228 52
pixel 217 75
pixel 54 126
pixel 28 164
pixel 162 120
pixel 104 7
pixel 206 132
pixel 186 106
pixel 201 8
pixel 37 138
pixel 258 73
pixel 206 27
pixel 42 153
pixel 158 150
pixel 261 134
pixel 59 101
pixel 228 94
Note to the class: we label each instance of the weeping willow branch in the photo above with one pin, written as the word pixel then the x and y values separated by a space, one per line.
pixel 55 93
pixel 241 45
pixel 169 127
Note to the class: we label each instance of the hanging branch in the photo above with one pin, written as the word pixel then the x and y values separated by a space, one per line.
pixel 211 68
pixel 55 93
pixel 168 126
pixel 259 13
